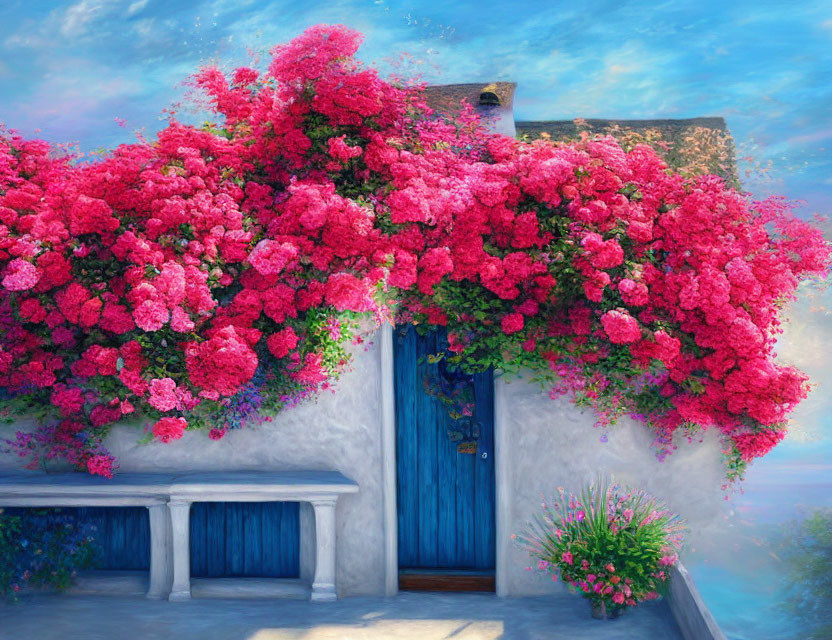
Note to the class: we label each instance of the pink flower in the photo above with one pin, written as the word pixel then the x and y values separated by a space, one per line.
pixel 163 394
pixel 221 364
pixel 168 429
pixel 101 465
pixel 20 275
pixel 512 323
pixel 151 315
pixel 180 321
pixel 567 557
pixel 621 327
pixel 269 257
pixel 217 434
pixel 69 399
pixel 116 319
pixel 591 577
pixel 339 150
pixel 345 292
pixel 633 293
pixel 312 372
pixel 282 342
pixel 668 560
pixel 602 255
pixel 618 598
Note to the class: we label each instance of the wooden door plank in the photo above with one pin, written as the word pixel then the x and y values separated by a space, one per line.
pixel 484 513
pixel 448 524
pixel 252 539
pixel 407 461
pixel 427 423
pixel 289 541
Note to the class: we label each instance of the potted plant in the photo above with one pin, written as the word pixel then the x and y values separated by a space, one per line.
pixel 613 545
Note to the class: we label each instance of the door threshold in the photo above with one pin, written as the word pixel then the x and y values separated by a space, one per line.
pixel 446 580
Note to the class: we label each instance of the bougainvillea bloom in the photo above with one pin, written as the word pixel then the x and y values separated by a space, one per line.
pixel 621 327
pixel 221 270
pixel 167 429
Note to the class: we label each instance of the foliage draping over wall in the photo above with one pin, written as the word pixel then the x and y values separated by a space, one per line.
pixel 219 272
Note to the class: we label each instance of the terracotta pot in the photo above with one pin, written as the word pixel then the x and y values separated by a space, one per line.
pixel 601 611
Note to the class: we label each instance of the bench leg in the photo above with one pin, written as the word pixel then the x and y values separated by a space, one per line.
pixel 323 584
pixel 180 529
pixel 161 571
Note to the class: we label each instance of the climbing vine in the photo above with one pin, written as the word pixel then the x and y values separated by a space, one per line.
pixel 220 272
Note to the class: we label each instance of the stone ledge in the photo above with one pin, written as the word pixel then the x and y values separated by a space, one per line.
pixel 249 588
pixel 689 609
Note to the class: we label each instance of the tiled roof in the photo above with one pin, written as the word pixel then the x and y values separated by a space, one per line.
pixel 568 128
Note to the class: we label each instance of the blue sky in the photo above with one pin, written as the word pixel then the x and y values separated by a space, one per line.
pixel 70 68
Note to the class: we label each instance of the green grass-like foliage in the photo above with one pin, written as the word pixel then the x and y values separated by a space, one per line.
pixel 613 545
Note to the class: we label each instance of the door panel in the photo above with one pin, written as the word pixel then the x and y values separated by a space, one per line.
pixel 245 539
pixel 445 496
pixel 121 534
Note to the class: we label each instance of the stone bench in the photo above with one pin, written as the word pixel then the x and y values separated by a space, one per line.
pixel 168 498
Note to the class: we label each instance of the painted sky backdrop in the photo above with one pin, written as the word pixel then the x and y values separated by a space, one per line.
pixel 69 68
pixel 94 72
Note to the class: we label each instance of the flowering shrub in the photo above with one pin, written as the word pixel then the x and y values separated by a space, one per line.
pixel 612 545
pixel 44 547
pixel 219 272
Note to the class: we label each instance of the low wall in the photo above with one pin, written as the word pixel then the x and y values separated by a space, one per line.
pixel 548 444
pixel 692 615
pixel 540 444
pixel 340 430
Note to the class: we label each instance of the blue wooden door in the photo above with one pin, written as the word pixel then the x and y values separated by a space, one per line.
pixel 445 466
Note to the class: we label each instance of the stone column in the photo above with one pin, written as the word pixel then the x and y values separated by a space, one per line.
pixel 323 584
pixel 180 530
pixel 161 568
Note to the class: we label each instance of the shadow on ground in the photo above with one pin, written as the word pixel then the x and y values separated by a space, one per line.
pixel 421 616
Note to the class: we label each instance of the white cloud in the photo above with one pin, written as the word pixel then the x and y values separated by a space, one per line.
pixel 73 23
pixel 76 19
pixel 136 6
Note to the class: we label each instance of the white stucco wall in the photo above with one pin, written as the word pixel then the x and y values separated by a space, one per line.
pixel 549 444
pixel 540 444
pixel 341 430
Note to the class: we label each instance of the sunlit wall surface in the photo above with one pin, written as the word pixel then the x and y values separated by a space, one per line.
pixel 95 72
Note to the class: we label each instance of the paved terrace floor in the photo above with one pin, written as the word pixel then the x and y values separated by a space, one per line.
pixel 420 616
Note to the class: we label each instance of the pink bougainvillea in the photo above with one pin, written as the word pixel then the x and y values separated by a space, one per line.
pixel 218 272
pixel 621 327
pixel 167 429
